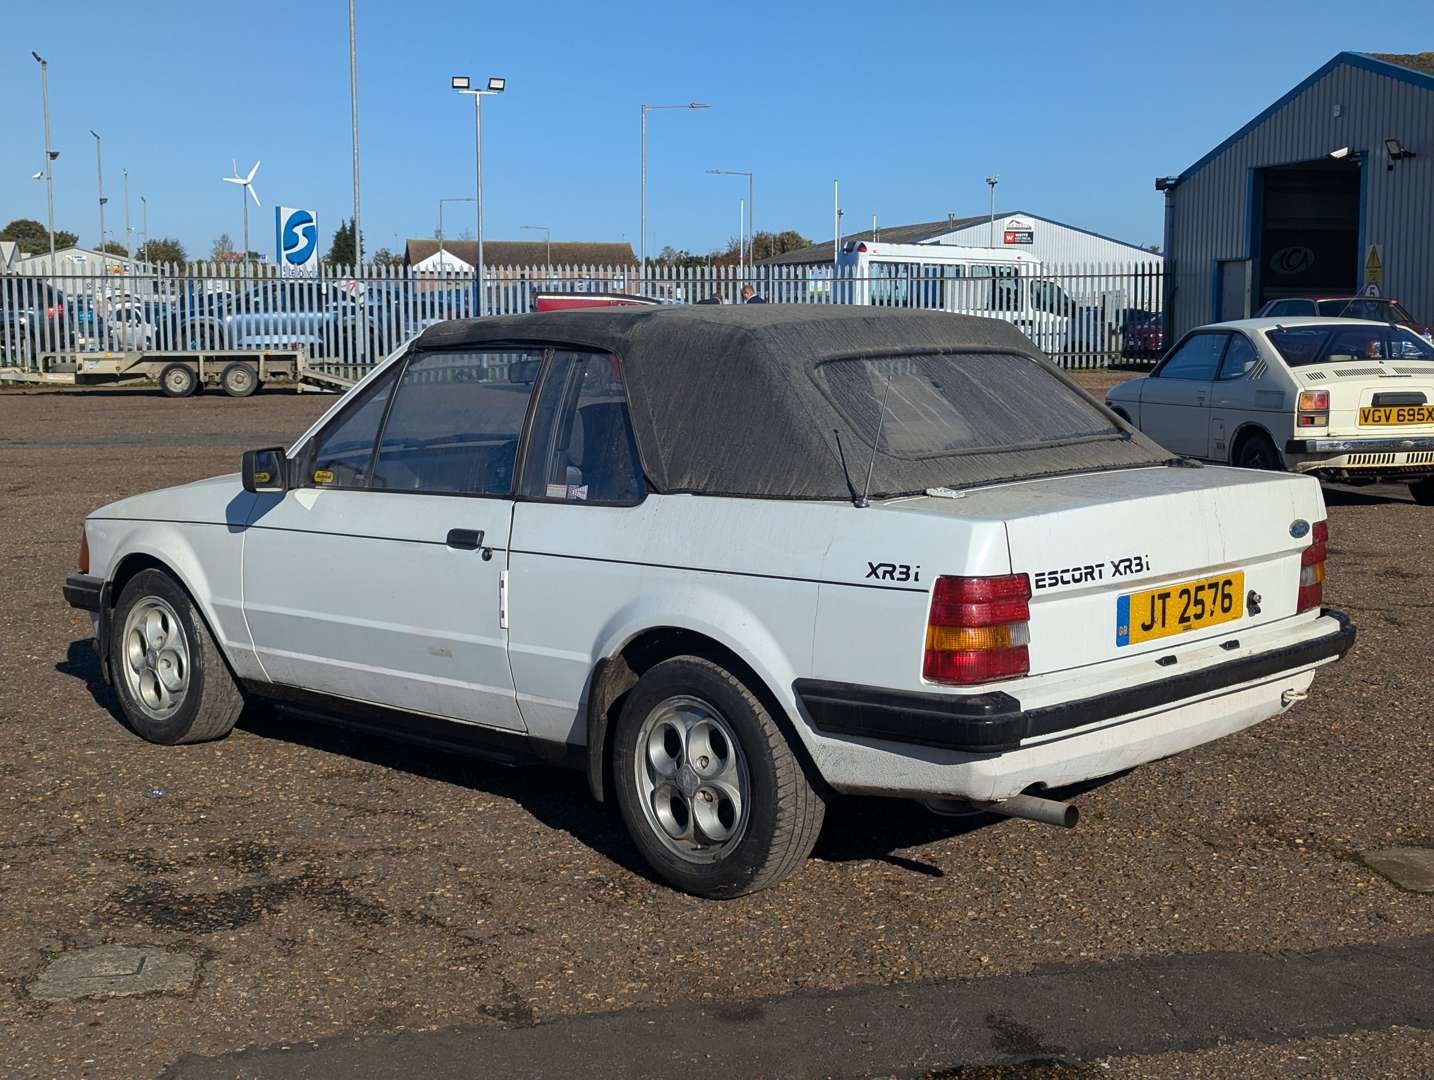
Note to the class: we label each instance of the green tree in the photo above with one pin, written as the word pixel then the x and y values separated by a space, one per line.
pixel 114 247
pixel 33 238
pixel 165 250
pixel 341 252
pixel 384 257
pixel 766 245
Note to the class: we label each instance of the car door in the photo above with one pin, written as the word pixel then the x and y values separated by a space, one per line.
pixel 578 529
pixel 380 577
pixel 1175 399
pixel 1239 396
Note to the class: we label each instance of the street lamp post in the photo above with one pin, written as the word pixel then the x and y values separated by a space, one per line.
pixel 458 198
pixel 50 156
pixel 642 238
pixel 548 241
pixel 100 179
pixel 751 213
pixel 128 232
pixel 144 226
pixel 463 85
pixel 353 119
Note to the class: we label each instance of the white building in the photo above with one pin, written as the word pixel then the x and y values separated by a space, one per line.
pixel 1052 242
pixel 75 261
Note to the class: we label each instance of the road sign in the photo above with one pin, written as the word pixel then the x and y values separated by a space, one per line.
pixel 1374 265
pixel 296 242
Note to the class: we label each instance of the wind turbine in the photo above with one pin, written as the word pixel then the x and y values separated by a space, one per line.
pixel 247 184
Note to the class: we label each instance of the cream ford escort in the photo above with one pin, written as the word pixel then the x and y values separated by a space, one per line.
pixel 733 562
pixel 1339 399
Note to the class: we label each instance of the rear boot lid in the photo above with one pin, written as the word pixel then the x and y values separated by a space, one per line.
pixel 1150 560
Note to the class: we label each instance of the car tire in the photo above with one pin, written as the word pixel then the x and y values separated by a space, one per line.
pixel 172 682
pixel 1257 451
pixel 178 380
pixel 239 380
pixel 707 784
pixel 1423 491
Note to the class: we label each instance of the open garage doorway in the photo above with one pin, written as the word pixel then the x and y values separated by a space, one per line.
pixel 1306 230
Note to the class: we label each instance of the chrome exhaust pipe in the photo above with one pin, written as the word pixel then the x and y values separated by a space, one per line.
pixel 1034 808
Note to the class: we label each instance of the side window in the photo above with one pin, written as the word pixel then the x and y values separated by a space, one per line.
pixel 456 421
pixel 339 455
pixel 1240 358
pixel 582 447
pixel 1196 359
pixel 1282 307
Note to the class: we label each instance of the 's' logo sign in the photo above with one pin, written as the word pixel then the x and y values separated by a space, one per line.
pixel 298 239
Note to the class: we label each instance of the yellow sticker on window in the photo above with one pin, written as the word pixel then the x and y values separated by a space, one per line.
pixel 323 476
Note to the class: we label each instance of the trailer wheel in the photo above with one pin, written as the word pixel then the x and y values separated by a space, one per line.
pixel 178 380
pixel 239 380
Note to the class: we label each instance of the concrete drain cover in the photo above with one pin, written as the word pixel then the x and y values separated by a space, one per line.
pixel 1409 868
pixel 113 970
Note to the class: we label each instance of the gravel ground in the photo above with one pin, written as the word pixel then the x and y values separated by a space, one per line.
pixel 332 884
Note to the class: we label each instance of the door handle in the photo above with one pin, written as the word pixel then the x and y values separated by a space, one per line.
pixel 465 539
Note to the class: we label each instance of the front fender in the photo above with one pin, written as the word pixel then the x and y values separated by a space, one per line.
pixel 207 559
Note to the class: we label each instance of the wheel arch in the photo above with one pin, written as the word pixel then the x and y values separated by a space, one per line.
pixel 1249 429
pixel 187 574
pixel 615 675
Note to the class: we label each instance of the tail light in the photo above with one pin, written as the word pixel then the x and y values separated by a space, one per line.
pixel 1312 568
pixel 978 629
pixel 84 551
pixel 1313 409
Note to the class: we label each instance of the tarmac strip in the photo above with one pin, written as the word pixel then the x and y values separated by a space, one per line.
pixel 1066 1013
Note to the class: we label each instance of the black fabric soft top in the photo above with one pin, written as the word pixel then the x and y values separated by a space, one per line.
pixel 724 400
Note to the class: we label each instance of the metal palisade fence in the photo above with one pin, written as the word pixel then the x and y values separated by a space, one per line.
pixel 1079 314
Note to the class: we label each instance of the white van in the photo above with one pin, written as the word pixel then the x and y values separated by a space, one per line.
pixel 993 282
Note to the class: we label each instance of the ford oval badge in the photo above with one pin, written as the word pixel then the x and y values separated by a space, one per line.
pixel 1299 527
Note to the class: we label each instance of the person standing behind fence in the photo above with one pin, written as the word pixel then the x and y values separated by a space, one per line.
pixel 749 296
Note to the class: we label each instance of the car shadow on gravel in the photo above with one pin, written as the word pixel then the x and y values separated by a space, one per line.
pixel 83 663
pixel 559 798
pixel 857 829
pixel 1380 495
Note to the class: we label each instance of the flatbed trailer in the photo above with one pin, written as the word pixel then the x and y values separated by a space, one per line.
pixel 180 373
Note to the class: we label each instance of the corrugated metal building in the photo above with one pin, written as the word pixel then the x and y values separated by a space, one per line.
pixel 1328 191
pixel 1050 241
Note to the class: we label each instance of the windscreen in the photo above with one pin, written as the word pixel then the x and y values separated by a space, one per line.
pixel 937 404
pixel 1362 307
pixel 1345 343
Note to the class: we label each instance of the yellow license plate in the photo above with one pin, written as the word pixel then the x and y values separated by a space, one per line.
pixel 1174 609
pixel 1388 415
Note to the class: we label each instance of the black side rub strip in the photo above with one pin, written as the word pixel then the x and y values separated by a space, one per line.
pixel 993 722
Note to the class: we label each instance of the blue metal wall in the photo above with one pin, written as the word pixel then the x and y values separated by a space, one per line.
pixel 1353 101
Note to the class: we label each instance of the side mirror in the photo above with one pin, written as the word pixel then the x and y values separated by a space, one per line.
pixel 265 471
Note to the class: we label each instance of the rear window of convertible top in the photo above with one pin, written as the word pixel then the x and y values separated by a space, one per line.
pixel 951 403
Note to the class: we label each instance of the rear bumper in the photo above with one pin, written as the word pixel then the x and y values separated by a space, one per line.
pixel 1359 445
pixel 993 723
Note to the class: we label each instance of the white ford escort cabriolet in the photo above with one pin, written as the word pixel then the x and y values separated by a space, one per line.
pixel 731 561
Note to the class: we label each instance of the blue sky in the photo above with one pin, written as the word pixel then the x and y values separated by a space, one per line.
pixel 1077 105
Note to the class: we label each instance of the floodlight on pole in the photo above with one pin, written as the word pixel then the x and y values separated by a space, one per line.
pixel 991 237
pixel 642 236
pixel 100 176
pixel 464 85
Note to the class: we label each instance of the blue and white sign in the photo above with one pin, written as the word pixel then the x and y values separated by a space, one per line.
pixel 296 242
